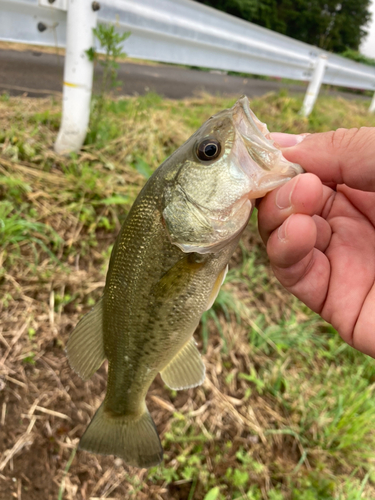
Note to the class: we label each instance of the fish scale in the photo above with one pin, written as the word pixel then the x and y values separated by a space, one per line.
pixel 166 268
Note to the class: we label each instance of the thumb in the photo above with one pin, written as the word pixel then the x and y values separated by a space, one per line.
pixel 344 156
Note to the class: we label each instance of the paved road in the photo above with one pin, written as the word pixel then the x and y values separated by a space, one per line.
pixel 40 74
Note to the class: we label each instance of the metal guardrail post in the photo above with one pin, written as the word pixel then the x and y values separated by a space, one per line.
pixel 372 105
pixel 78 76
pixel 314 85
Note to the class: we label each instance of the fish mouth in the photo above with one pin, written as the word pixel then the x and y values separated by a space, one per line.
pixel 246 121
pixel 256 153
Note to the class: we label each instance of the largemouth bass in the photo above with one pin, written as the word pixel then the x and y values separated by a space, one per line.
pixel 166 268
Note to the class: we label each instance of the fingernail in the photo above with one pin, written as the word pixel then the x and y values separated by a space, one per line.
pixel 282 231
pixel 284 194
pixel 286 140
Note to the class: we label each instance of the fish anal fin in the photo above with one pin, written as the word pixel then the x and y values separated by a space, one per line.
pixel 186 369
pixel 85 347
pixel 216 289
pixel 134 439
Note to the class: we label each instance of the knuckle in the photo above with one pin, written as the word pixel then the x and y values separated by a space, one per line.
pixel 343 138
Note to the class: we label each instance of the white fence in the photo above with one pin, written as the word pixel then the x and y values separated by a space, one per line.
pixel 175 31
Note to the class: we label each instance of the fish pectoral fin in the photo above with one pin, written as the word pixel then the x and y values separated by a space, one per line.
pixel 85 347
pixel 186 369
pixel 216 289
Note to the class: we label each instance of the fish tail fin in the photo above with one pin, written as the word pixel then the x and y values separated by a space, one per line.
pixel 135 440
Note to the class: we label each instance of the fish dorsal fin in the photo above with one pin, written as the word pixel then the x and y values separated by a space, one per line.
pixel 85 347
pixel 216 289
pixel 186 369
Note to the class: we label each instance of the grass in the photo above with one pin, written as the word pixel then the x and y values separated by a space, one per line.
pixel 287 411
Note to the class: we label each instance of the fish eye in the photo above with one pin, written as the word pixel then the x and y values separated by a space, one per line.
pixel 208 149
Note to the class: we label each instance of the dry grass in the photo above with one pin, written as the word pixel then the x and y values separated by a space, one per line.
pixel 286 411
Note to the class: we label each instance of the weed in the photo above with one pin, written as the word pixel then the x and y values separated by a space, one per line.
pixel 111 43
pixel 17 230
pixel 66 470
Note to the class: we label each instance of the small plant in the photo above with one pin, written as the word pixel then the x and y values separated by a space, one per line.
pixel 356 56
pixel 111 43
pixel 17 230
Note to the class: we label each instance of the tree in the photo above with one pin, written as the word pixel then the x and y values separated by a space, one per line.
pixel 330 24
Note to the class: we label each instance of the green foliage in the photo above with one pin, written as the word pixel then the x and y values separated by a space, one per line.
pixel 213 494
pixel 331 25
pixel 66 470
pixel 29 359
pixel 17 229
pixel 31 333
pixel 313 486
pixel 358 57
pixel 143 168
pixel 111 42
pixel 51 120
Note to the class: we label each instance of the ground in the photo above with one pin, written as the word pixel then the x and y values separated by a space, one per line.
pixel 287 409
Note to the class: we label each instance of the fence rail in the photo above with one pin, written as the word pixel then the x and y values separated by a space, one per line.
pixel 186 32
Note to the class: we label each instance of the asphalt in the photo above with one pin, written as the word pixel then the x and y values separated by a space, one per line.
pixel 38 74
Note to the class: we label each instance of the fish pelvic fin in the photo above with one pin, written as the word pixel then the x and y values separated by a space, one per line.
pixel 134 439
pixel 186 369
pixel 85 347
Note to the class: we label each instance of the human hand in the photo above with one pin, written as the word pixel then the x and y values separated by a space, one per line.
pixel 320 229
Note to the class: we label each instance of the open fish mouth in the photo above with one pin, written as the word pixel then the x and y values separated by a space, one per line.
pixel 246 121
pixel 260 159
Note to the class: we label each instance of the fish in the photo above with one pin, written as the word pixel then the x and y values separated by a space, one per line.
pixel 166 269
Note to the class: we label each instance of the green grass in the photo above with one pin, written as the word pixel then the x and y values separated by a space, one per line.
pixel 289 409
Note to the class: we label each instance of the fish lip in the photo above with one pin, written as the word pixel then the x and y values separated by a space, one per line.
pixel 243 105
pixel 260 147
pixel 243 102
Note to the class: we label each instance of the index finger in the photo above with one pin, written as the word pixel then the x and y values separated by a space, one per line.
pixel 344 156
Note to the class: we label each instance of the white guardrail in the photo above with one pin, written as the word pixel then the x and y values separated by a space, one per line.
pixel 174 31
